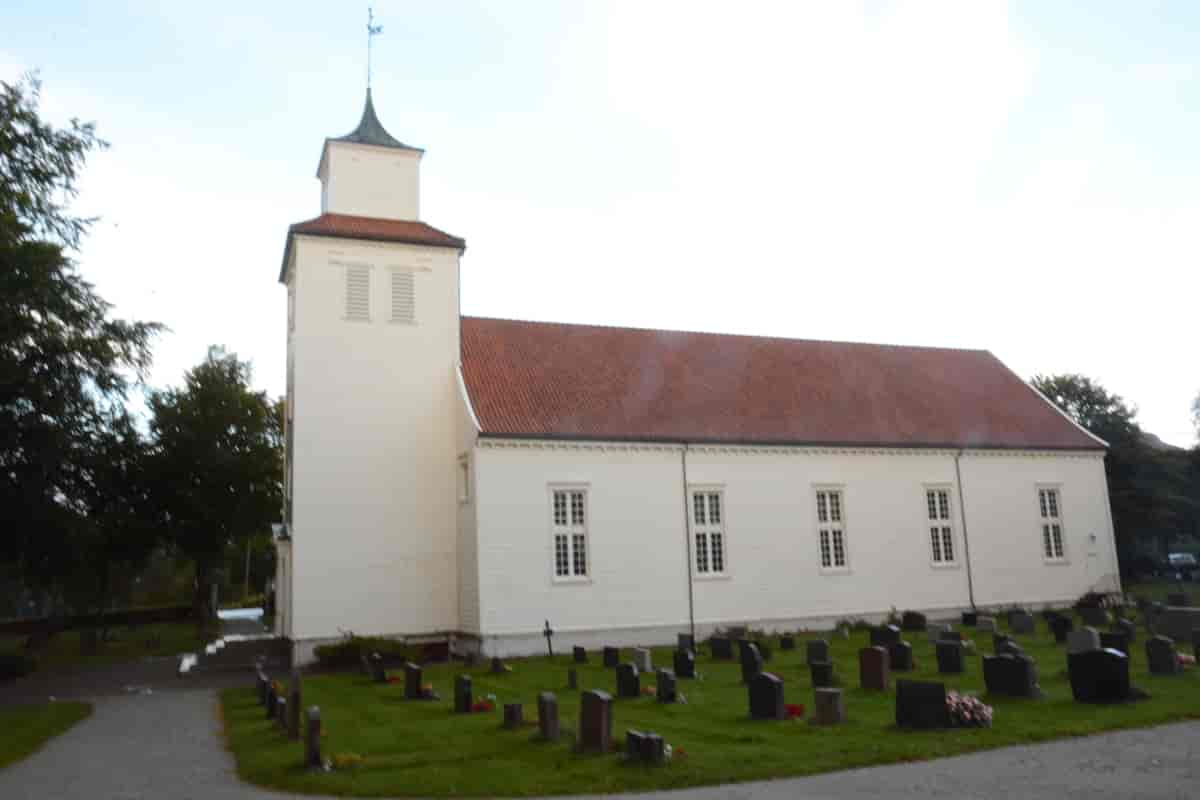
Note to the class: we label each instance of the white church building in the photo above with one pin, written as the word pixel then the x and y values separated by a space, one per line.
pixel 465 480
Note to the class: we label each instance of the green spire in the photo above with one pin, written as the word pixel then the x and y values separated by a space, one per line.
pixel 371 131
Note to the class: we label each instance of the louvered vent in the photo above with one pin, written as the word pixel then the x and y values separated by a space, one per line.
pixel 358 292
pixel 404 299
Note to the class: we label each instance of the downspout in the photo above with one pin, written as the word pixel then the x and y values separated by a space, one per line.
pixel 962 511
pixel 687 546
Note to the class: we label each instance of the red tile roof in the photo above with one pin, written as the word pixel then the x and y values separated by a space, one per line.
pixel 373 229
pixel 533 379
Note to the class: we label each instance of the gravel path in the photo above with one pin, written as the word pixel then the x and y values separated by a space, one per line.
pixel 168 745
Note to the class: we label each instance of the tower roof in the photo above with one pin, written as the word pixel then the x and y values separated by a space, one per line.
pixel 371 131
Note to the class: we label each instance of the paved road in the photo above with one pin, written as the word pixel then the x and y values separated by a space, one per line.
pixel 168 745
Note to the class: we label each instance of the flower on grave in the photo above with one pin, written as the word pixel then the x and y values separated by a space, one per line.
pixel 794 710
pixel 679 752
pixel 347 760
pixel 483 704
pixel 1185 660
pixel 491 698
pixel 393 678
pixel 649 691
pixel 967 711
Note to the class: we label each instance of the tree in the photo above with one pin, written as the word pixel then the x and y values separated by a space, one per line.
pixel 1090 404
pixel 217 464
pixel 65 364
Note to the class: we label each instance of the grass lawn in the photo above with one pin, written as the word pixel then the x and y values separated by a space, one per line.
pixel 422 748
pixel 1158 590
pixel 128 644
pixel 27 728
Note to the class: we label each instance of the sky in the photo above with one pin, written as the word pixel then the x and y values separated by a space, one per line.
pixel 1019 178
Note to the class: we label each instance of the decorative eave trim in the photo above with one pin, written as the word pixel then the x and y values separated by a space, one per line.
pixel 362 241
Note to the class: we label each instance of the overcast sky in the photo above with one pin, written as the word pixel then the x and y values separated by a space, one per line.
pixel 1021 179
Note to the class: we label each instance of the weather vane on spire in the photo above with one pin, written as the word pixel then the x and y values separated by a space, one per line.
pixel 372 30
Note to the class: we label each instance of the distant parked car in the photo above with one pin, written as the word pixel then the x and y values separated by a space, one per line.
pixel 1182 565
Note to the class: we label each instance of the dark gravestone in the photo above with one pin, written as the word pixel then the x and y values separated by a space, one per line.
pixel 685 641
pixel 412 681
pixel 752 662
pixel 829 706
pixel 822 674
pixel 498 667
pixel 787 643
pixel 948 634
pixel 595 721
pixel 463 696
pixel 312 738
pixel 272 699
pixel 912 621
pixel 766 697
pixel 572 679
pixel 969 619
pixel 628 682
pixel 885 636
pixel 648 748
pixel 816 651
pixel 514 715
pixel 1010 648
pixel 721 648
pixel 921 705
pixel 1127 627
pixel 547 705
pixel 900 657
pixel 1022 622
pixel 262 685
pixel 999 640
pixel 1093 616
pixel 1160 653
pixel 873 668
pixel 1114 640
pixel 1011 676
pixel 685 664
pixel 1099 676
pixel 949 657
pixel 580 655
pixel 293 722
pixel 378 673
pixel 1061 626
pixel 1178 599
pixel 612 657
pixel 281 713
pixel 664 686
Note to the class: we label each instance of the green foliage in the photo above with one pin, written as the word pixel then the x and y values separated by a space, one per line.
pixel 349 651
pixel 65 365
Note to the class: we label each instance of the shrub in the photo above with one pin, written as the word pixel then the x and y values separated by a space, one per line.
pixel 349 651
pixel 967 711
pixel 14 665
pixel 913 621
pixel 1090 600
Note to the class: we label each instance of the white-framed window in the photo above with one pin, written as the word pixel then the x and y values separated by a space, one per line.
pixel 831 529
pixel 404 296
pixel 358 292
pixel 568 512
pixel 708 531
pixel 940 525
pixel 1050 523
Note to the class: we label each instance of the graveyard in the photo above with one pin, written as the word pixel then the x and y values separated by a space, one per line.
pixel 403 736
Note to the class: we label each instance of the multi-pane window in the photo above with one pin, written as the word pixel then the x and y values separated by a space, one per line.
pixel 570 533
pixel 831 528
pixel 358 292
pixel 708 528
pixel 1051 522
pixel 941 526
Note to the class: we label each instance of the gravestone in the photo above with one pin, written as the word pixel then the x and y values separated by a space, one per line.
pixel 1127 627
pixel 949 657
pixel 1099 676
pixel 921 705
pixel 547 706
pixel 948 634
pixel 312 738
pixel 766 697
pixel 752 663
pixel 641 659
pixel 665 687
pixel 913 621
pixel 612 657
pixel 1160 653
pixel 463 696
pixel 647 748
pixel 1093 616
pixel 1009 648
pixel 900 657
pixel 822 673
pixel 969 618
pixel 281 713
pixel 1178 599
pixel 935 633
pixel 595 721
pixel 999 640
pixel 580 655
pixel 378 673
pixel 1114 640
pixel 721 648
pixel 572 679
pixel 628 682
pixel 272 699
pixel 1022 622
pixel 1083 640
pixel 829 706
pixel 986 624
pixel 685 664
pixel 816 650
pixel 884 636
pixel 743 645
pixel 412 681
pixel 293 723
pixel 787 643
pixel 89 642
pixel 873 668
pixel 514 715
pixel 685 641
pixel 1011 676
pixel 262 684
pixel 498 667
pixel 1061 626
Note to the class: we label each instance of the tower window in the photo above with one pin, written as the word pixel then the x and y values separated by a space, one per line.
pixel 404 298
pixel 358 292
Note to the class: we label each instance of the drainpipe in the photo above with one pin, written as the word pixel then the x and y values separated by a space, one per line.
pixel 687 545
pixel 962 510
